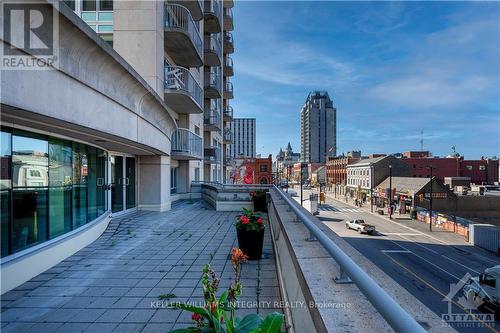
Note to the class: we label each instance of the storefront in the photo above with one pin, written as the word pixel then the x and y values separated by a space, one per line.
pixel 51 186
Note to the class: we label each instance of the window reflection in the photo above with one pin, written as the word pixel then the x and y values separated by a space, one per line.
pixel 29 161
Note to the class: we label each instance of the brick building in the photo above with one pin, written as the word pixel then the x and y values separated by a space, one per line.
pixel 336 169
pixel 479 171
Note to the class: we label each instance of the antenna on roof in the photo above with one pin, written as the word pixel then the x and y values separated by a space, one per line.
pixel 422 140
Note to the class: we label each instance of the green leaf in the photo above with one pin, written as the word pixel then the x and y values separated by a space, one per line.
pixel 249 323
pixel 186 330
pixel 272 323
pixel 190 308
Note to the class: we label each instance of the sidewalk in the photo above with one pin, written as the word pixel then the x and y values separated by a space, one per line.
pixel 439 235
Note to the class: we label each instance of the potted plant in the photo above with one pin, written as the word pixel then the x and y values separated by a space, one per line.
pixel 250 231
pixel 218 315
pixel 259 200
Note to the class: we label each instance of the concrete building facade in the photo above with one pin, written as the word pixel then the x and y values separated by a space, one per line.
pixel 118 124
pixel 318 128
pixel 243 132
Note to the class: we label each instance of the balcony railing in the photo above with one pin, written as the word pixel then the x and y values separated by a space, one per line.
pixel 183 92
pixel 228 19
pixel 228 42
pixel 211 120
pixel 212 155
pixel 183 38
pixel 212 83
pixel 213 13
pixel 228 113
pixel 186 145
pixel 195 7
pixel 213 50
pixel 228 136
pixel 228 66
pixel 228 90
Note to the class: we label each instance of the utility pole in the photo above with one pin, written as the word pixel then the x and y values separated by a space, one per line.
pixel 430 203
pixel 371 188
pixel 301 183
pixel 390 191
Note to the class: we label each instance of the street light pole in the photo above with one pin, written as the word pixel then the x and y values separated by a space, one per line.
pixel 371 188
pixel 430 204
pixel 390 191
pixel 301 192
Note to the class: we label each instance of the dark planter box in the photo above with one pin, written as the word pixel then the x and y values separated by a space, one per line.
pixel 251 243
pixel 260 204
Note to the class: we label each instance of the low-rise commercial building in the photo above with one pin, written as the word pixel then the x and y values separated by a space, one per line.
pixel 364 175
pixel 336 173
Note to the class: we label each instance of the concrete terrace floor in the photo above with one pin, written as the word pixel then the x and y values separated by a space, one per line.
pixel 113 284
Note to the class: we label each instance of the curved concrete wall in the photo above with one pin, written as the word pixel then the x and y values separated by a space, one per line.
pixel 93 88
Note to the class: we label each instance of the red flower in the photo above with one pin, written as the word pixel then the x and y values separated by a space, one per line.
pixel 196 317
pixel 244 219
pixel 260 220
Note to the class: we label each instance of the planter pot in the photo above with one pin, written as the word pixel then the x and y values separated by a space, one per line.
pixel 260 204
pixel 251 243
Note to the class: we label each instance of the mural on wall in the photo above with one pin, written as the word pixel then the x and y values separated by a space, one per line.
pixel 243 171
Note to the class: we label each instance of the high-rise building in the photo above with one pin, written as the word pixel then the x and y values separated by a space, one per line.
pixel 318 128
pixel 124 117
pixel 243 138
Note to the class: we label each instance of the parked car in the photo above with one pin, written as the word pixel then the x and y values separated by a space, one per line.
pixel 360 226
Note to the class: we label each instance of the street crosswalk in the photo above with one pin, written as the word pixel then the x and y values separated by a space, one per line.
pixel 329 208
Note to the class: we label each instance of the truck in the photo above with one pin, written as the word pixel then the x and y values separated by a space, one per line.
pixel 483 291
pixel 360 226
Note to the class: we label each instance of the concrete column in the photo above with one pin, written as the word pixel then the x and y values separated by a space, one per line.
pixel 154 183
pixel 138 37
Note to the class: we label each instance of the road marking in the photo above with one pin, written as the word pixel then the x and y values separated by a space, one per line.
pixel 440 292
pixel 401 233
pixel 396 251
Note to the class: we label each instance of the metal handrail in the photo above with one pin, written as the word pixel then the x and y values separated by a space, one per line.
pixel 213 44
pixel 228 62
pixel 186 142
pixel 213 7
pixel 392 312
pixel 212 117
pixel 212 158
pixel 228 12
pixel 228 87
pixel 178 17
pixel 180 78
pixel 212 78
pixel 228 111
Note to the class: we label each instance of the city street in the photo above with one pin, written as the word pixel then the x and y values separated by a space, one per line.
pixel 423 264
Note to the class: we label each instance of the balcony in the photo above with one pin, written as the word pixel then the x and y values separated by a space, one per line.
pixel 228 161
pixel 228 3
pixel 228 90
pixel 183 41
pixel 186 145
pixel 213 16
pixel 212 84
pixel 228 113
pixel 182 93
pixel 195 7
pixel 228 43
pixel 228 66
pixel 212 120
pixel 228 19
pixel 227 136
pixel 212 155
pixel 213 47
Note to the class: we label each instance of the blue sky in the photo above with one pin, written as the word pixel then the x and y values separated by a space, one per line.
pixel 391 68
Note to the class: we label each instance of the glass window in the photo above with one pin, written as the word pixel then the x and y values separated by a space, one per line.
pixel 105 28
pixel 106 4
pixel 469 167
pixel 96 182
pixel 105 16
pixel 90 16
pixel 88 5
pixel 173 180
pixel 482 167
pixel 70 4
pixel 5 185
pixel 197 174
pixel 29 195
pixel 60 182
pixel 130 182
pixel 108 38
pixel 80 183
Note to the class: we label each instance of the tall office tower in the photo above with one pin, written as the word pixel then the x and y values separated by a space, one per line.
pixel 243 138
pixel 318 128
